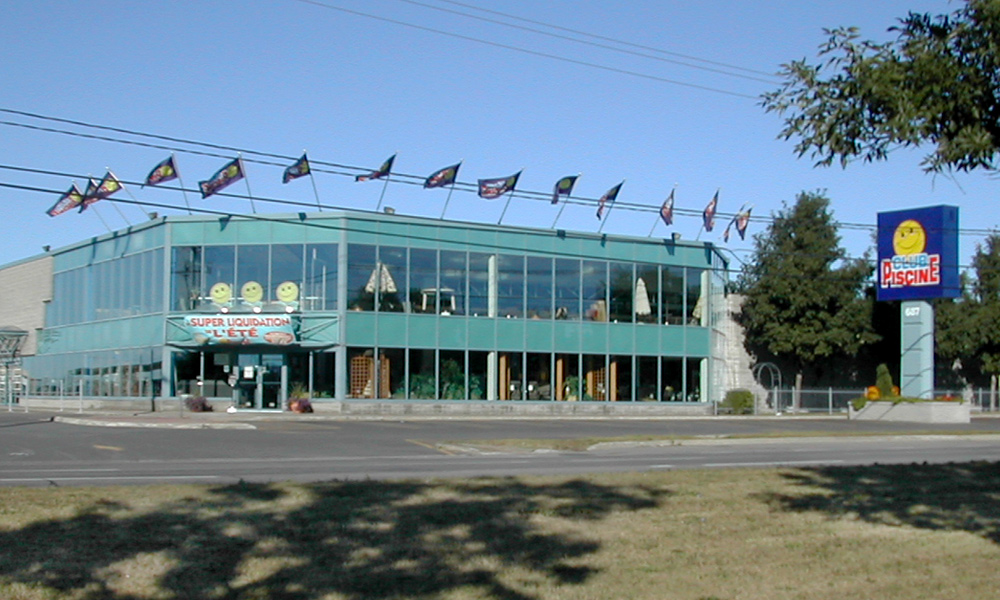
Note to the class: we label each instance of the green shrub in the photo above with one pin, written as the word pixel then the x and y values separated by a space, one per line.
pixel 883 381
pixel 739 402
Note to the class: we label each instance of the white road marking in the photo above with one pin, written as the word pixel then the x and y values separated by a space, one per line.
pixel 775 463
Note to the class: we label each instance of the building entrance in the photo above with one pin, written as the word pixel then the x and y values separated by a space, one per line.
pixel 261 382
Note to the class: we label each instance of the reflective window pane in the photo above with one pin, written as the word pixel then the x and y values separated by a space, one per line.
pixel 539 287
pixel 567 289
pixel 423 281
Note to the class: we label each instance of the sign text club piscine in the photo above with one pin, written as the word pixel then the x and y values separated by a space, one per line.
pixel 918 254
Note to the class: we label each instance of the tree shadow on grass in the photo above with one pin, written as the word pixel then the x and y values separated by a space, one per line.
pixel 356 539
pixel 946 497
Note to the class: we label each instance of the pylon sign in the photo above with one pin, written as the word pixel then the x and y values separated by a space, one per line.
pixel 918 254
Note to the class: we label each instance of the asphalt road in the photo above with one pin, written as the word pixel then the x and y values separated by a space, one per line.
pixel 36 451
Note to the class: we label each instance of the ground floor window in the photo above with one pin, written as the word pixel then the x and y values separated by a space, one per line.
pixel 428 374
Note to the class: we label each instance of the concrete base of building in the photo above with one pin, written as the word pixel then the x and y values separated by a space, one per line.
pixel 398 408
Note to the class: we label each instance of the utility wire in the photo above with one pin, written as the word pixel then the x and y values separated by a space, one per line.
pixel 773 80
pixel 399 177
pixel 609 39
pixel 531 52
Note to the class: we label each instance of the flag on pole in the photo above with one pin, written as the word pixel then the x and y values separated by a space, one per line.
pixel 563 187
pixel 667 210
pixel 607 198
pixel 442 177
pixel 165 171
pixel 68 201
pixel 230 173
pixel 299 169
pixel 742 220
pixel 382 171
pixel 490 189
pixel 99 191
pixel 708 215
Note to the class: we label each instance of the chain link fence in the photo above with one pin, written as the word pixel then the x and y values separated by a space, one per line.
pixel 832 400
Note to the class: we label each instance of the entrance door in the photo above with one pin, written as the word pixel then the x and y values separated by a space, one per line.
pixel 262 382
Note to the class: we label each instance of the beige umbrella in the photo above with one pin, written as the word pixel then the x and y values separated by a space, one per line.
pixel 641 303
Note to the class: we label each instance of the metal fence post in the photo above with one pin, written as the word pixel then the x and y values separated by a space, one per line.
pixel 829 392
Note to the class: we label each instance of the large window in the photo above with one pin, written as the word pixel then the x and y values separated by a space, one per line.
pixel 567 289
pixel 391 284
pixel 622 292
pixel 510 285
pixel 539 288
pixel 361 268
pixel 453 274
pixel 423 281
pixel 320 289
pixel 595 288
pixel 479 284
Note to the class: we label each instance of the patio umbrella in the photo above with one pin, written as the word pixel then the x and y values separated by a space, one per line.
pixel 641 304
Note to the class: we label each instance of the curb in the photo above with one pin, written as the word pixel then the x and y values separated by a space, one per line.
pixel 150 425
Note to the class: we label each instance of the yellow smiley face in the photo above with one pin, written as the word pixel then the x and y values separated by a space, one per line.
pixel 252 292
pixel 909 238
pixel 288 291
pixel 221 293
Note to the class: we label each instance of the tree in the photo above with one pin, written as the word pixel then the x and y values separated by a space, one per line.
pixel 805 308
pixel 966 336
pixel 937 83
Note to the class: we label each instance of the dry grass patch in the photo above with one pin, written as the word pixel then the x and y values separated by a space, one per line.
pixel 899 532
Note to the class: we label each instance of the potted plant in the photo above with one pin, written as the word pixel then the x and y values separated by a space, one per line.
pixel 298 399
pixel 571 388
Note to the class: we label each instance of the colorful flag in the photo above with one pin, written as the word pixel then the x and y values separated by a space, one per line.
pixel 231 172
pixel 725 234
pixel 68 201
pixel 494 188
pixel 667 210
pixel 708 215
pixel 165 171
pixel 299 169
pixel 443 177
pixel 99 191
pixel 608 197
pixel 742 220
pixel 382 171
pixel 563 187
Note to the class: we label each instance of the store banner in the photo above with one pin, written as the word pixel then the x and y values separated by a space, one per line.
pixel 241 329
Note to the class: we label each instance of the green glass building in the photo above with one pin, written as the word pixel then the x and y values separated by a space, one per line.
pixel 369 307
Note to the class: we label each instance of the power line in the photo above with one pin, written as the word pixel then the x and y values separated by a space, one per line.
pixel 404 178
pixel 610 39
pixel 772 80
pixel 527 51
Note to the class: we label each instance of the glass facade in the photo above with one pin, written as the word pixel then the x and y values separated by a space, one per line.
pixel 383 310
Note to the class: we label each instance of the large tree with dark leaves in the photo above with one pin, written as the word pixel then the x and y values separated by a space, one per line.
pixel 938 83
pixel 967 333
pixel 805 306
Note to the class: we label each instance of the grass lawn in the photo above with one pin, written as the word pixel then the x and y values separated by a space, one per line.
pixel 887 532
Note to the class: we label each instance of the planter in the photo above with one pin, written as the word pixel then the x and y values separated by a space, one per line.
pixel 914 412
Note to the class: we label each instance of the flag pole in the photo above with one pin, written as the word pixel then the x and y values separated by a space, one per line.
pixel 246 180
pixel 502 213
pixel 142 207
pixel 385 185
pixel 105 223
pixel 655 221
pixel 451 189
pixel 120 213
pixel 509 198
pixel 563 207
pixel 181 181
pixel 612 205
pixel 313 181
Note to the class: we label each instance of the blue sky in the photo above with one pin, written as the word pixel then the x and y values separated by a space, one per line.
pixel 280 76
